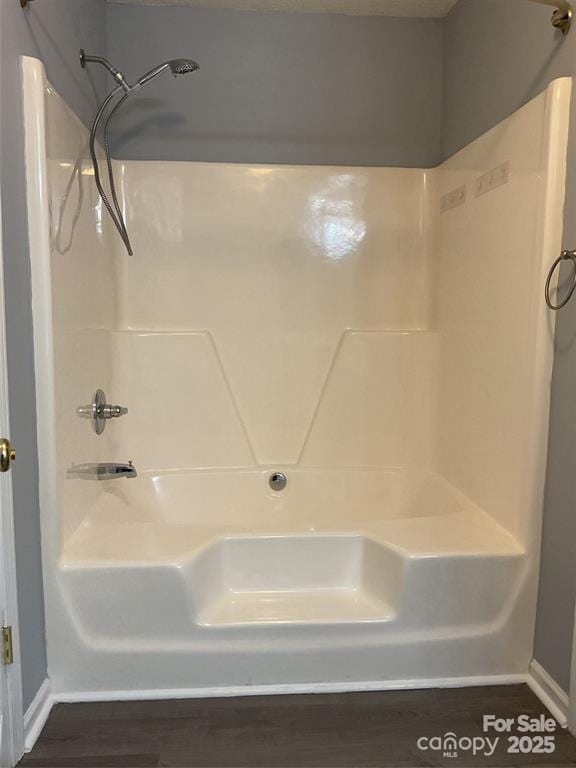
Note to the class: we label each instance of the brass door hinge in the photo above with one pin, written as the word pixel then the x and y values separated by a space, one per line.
pixel 7 647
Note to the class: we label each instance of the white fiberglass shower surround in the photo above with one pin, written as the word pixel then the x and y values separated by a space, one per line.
pixel 377 335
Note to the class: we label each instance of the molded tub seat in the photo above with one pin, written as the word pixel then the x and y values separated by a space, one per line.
pixel 131 574
pixel 309 578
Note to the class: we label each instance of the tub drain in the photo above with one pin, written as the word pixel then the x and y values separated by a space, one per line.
pixel 278 481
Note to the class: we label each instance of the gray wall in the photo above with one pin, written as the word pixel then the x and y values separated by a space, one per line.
pixel 498 55
pixel 53 30
pixel 280 87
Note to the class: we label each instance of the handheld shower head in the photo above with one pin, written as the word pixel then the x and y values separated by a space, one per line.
pixel 176 66
pixel 183 66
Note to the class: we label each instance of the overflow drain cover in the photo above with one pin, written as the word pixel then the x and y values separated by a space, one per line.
pixel 278 481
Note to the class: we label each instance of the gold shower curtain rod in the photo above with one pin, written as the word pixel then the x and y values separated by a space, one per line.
pixel 561 18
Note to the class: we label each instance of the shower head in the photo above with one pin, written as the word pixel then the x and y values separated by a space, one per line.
pixel 183 66
pixel 176 66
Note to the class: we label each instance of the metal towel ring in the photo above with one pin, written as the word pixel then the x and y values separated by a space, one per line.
pixel 564 256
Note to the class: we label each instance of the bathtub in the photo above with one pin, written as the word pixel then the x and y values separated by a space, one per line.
pixel 341 565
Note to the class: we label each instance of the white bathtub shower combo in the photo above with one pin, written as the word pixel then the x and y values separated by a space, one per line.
pixel 337 383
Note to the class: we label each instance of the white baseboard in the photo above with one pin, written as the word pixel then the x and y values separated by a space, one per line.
pixel 37 714
pixel 549 692
pixel 292 688
pixel 540 682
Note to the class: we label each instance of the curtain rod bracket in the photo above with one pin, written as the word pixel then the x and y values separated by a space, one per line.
pixel 562 19
pixel 562 16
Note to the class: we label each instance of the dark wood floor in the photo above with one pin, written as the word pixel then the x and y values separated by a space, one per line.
pixel 353 730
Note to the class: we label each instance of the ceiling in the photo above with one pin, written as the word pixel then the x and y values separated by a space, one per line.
pixel 417 8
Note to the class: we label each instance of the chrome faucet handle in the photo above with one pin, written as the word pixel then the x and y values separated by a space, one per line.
pixel 99 411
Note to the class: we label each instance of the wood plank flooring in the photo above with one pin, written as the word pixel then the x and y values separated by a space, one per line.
pixel 334 730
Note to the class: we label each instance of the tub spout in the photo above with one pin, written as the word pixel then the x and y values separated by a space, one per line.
pixel 102 471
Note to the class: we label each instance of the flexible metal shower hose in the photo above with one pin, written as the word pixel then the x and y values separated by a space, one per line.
pixel 115 212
